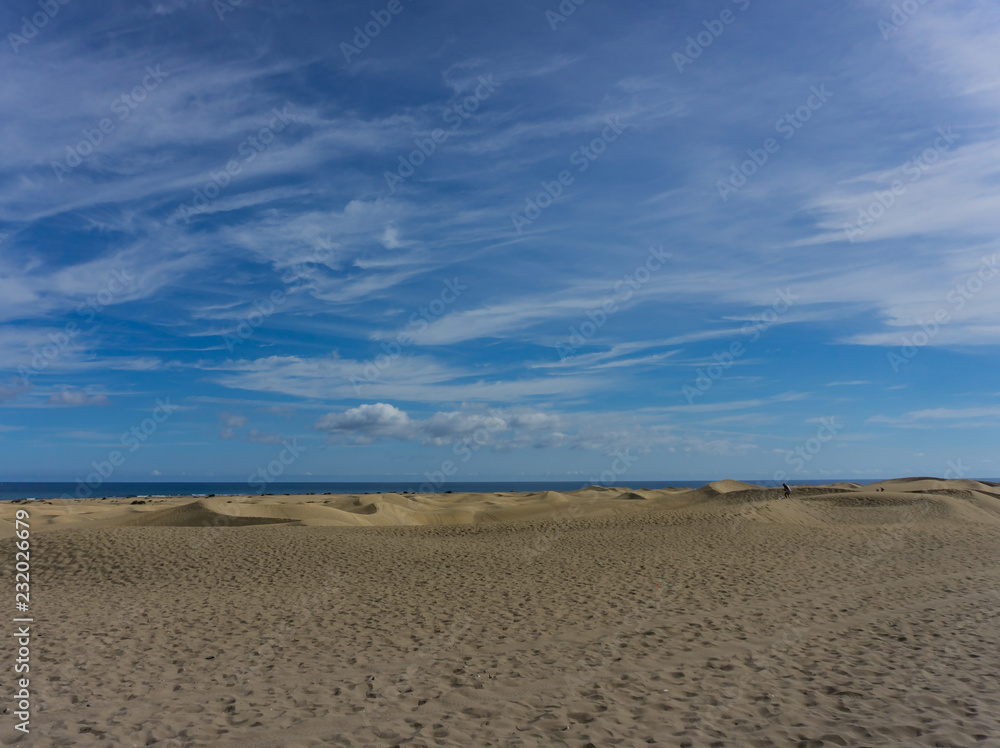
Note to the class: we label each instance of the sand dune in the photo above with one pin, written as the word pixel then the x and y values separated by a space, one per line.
pixel 725 615
pixel 943 499
pixel 342 511
pixel 728 486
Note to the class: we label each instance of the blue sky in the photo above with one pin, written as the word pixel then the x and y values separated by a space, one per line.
pixel 390 240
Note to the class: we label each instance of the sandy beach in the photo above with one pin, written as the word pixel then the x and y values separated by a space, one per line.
pixel 721 616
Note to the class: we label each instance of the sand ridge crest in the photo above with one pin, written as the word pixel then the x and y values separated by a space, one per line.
pixel 728 486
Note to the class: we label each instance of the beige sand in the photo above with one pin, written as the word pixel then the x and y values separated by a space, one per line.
pixel 723 616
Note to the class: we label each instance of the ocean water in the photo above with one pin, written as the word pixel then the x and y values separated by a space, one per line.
pixel 10 490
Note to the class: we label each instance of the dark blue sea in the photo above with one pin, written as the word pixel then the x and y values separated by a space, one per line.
pixel 10 490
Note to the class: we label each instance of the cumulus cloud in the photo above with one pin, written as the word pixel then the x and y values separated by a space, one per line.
pixel 233 421
pixel 77 398
pixel 381 421
pixel 503 430
pixel 369 422
pixel 390 239
pixel 263 437
pixel 444 428
pixel 230 423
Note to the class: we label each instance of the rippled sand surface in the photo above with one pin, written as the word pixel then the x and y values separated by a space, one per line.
pixel 721 616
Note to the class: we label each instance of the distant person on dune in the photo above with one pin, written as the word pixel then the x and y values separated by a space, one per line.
pixel 788 491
